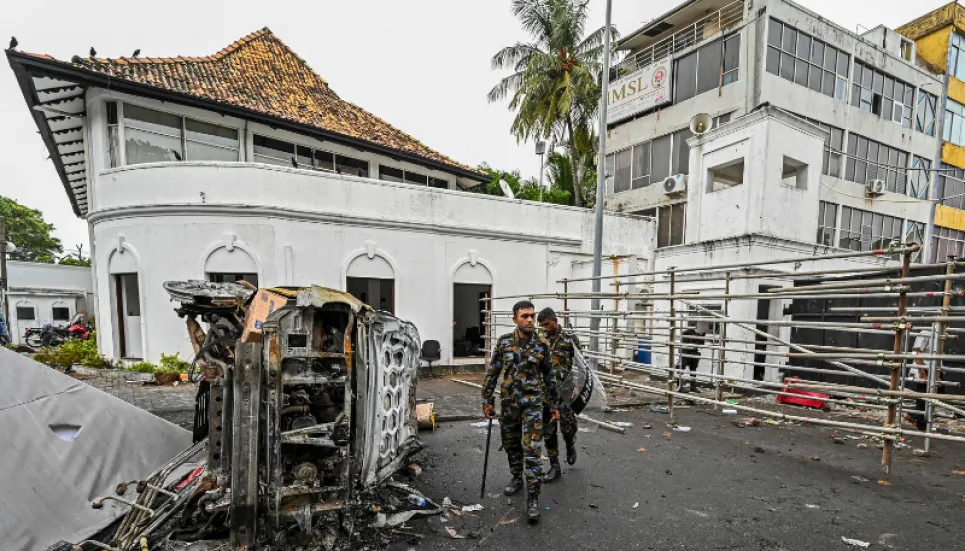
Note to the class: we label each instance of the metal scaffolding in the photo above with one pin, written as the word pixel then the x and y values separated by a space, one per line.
pixel 771 353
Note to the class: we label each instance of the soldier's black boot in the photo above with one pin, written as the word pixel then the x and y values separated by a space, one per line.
pixel 554 473
pixel 693 386
pixel 570 453
pixel 532 510
pixel 515 485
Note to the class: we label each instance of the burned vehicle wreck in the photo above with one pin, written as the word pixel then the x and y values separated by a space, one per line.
pixel 307 406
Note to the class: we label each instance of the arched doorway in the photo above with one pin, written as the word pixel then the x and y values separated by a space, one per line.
pixel 371 279
pixel 471 282
pixel 126 305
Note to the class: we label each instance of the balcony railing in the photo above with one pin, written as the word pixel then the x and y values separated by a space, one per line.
pixel 712 25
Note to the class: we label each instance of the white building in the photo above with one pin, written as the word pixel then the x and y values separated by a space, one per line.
pixel 818 137
pixel 247 165
pixel 45 293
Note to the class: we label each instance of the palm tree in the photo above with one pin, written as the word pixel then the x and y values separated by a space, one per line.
pixel 555 81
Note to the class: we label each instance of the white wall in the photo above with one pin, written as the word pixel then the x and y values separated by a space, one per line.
pixel 43 286
pixel 304 228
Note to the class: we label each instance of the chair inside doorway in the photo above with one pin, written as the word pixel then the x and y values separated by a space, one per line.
pixel 469 319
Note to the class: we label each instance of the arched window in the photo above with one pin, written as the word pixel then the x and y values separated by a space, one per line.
pixel 224 266
pixel 372 280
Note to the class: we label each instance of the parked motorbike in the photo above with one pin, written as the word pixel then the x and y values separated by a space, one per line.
pixel 79 327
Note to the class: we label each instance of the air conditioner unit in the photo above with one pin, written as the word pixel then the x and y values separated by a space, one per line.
pixel 675 185
pixel 874 188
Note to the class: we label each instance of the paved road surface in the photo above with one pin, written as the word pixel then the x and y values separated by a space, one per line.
pixel 704 490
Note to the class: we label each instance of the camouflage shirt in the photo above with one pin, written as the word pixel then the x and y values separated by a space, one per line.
pixel 563 349
pixel 527 370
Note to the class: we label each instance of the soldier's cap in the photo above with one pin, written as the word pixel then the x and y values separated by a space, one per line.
pixel 545 314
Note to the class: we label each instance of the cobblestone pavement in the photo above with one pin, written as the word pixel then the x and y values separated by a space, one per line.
pixel 145 395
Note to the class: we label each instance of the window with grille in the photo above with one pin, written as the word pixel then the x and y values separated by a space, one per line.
pixel 155 136
pixel 797 56
pixel 956 61
pixel 951 186
pixel 925 113
pixel 707 68
pixel 671 223
pixel 947 242
pixel 919 177
pixel 863 230
pixel 833 146
pixel 870 160
pixel 882 94
pixel 827 218
pixel 954 128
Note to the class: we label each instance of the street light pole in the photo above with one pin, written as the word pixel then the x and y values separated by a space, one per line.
pixel 541 151
pixel 3 269
pixel 600 186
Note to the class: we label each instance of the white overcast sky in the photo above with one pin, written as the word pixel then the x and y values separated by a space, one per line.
pixel 422 65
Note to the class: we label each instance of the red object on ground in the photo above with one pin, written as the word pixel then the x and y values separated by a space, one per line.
pixel 804 399
pixel 190 476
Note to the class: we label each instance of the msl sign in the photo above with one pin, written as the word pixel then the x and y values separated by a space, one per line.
pixel 639 91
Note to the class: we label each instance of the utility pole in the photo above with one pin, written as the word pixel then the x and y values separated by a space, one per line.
pixel 600 188
pixel 541 151
pixel 3 271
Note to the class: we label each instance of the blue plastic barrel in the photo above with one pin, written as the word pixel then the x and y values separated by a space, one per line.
pixel 644 355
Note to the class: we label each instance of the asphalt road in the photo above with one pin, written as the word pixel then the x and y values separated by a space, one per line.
pixel 716 487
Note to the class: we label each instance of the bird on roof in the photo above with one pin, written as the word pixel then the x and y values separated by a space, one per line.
pixel 294 162
pixel 136 53
pixel 13 42
pixel 93 52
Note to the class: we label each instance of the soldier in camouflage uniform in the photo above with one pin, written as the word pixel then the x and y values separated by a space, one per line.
pixel 563 347
pixel 523 360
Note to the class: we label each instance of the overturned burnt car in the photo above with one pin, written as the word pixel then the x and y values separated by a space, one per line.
pixel 307 405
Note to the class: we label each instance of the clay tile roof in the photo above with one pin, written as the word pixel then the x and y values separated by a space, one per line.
pixel 259 72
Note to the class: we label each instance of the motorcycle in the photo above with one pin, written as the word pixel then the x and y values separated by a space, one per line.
pixel 78 328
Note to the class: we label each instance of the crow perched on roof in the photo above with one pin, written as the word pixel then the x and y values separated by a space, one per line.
pixel 137 52
pixel 13 42
pixel 294 162
pixel 93 52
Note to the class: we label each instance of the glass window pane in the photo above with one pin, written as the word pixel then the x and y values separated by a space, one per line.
pixel 787 66
pixel 803 46
pixel 774 32
pixel 732 48
pixel 438 183
pixel 270 147
pixel 621 171
pixel 680 163
pixel 391 174
pixel 660 159
pixel 148 147
pixel 814 78
pixel 817 52
pixel 211 133
pixel 352 166
pixel 773 60
pixel 889 88
pixel 416 178
pixel 867 76
pixel 708 67
pixel 324 160
pixel 789 40
pixel 149 119
pixel 304 156
pixel 197 151
pixel 844 60
pixel 685 78
pixel 830 58
pixel 827 85
pixel 801 72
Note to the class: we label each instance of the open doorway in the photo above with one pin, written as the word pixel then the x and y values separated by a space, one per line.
pixel 376 292
pixel 127 316
pixel 468 319
pixel 762 343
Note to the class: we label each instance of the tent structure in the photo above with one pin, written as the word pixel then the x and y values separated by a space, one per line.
pixel 65 443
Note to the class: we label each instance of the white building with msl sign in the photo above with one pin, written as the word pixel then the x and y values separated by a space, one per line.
pixel 639 91
pixel 247 165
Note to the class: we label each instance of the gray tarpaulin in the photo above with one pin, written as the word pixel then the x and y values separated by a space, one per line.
pixel 64 443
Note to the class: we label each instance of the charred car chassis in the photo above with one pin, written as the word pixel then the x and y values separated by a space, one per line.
pixel 301 425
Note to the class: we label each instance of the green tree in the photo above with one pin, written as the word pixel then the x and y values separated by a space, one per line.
pixel 75 258
pixel 527 189
pixel 27 229
pixel 559 173
pixel 555 78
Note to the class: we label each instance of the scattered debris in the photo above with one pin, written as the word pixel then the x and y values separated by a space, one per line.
pixel 635 505
pixel 815 458
pixel 733 402
pixel 413 469
pixel 759 449
pixel 659 408
pixel 958 472
pixel 855 543
pixel 920 453
pixel 504 522
pixel 472 508
pixel 860 479
pixel 467 383
pixel 593 506
pixel 604 425
pixel 484 424
pixel 647 426
pixel 668 434
pixel 812 506
pixel 623 424
pixel 863 446
pixel 729 411
pixel 669 472
pixel 455 535
pixel 681 429
pixel 426 416
pixel 884 483
pixel 641 449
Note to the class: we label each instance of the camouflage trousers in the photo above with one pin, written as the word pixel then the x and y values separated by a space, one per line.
pixel 567 424
pixel 521 428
